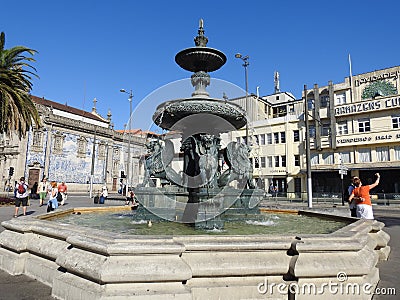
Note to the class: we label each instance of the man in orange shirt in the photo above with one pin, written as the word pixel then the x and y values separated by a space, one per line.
pixel 62 189
pixel 361 193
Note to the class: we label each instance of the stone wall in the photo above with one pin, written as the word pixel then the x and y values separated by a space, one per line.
pixel 82 263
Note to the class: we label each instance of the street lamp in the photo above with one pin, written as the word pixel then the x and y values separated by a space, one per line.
pixel 308 154
pixel 128 173
pixel 245 65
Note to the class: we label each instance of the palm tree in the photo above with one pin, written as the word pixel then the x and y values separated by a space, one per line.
pixel 17 110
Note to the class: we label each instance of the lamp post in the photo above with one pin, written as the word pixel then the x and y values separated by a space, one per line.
pixel 308 154
pixel 245 60
pixel 128 173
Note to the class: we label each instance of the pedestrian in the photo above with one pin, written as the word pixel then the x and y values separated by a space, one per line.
pixel 131 198
pixel 52 204
pixel 272 189
pixel 62 189
pixel 353 203
pixel 21 196
pixel 43 190
pixel 34 189
pixel 363 199
pixel 103 195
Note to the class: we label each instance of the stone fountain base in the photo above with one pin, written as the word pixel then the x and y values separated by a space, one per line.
pixel 206 212
pixel 82 263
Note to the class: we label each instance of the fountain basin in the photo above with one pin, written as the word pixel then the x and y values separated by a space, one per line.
pixel 84 263
pixel 218 112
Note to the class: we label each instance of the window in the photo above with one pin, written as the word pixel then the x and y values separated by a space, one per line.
pixel 314 159
pixel 102 151
pixel 279 111
pixel 396 122
pixel 255 140
pixel 116 153
pixel 364 125
pixel 382 153
pixel 276 159
pixel 397 152
pixel 311 130
pixel 82 145
pixel 310 104
pixel 346 157
pixel 269 161
pixel 58 143
pixel 276 137
pixel 37 141
pixel 340 98
pixel 296 136
pixel 324 100
pixel 256 162
pixel 262 139
pixel 283 137
pixel 364 155
pixel 37 137
pixel 262 161
pixel 269 138
pixel 325 130
pixel 327 158
pixel 342 127
pixel 297 160
pixel 283 161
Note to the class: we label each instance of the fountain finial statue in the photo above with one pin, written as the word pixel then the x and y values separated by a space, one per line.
pixel 201 40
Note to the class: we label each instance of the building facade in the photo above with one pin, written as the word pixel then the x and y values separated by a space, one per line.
pixel 353 125
pixel 356 124
pixel 74 146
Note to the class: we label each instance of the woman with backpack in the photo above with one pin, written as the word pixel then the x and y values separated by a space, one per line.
pixel 21 196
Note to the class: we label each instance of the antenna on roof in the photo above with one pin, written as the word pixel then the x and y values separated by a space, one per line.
pixel 276 82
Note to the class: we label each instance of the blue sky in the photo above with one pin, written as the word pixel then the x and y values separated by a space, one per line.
pixel 92 49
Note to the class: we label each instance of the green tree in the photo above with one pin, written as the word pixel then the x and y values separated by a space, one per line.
pixel 17 110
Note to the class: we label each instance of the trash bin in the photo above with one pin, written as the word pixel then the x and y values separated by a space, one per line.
pixel 96 199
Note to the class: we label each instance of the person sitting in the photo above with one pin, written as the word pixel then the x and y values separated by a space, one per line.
pixel 103 195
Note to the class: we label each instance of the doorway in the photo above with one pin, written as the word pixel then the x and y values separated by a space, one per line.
pixel 33 177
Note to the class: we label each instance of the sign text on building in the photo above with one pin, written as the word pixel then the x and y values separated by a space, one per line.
pixel 366 106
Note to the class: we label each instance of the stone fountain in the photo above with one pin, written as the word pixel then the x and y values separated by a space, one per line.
pixel 203 186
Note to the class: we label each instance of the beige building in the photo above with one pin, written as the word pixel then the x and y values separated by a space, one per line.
pixel 354 125
pixel 276 139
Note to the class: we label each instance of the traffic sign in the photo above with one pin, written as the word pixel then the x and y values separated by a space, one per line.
pixel 343 172
pixel 343 167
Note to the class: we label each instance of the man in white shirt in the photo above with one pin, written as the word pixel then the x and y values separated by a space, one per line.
pixel 21 196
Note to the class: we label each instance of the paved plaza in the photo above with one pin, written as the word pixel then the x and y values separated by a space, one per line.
pixel 22 287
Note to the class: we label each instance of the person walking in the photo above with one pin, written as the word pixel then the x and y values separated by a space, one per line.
pixel 364 205
pixel 62 189
pixel 52 204
pixel 353 203
pixel 21 196
pixel 43 190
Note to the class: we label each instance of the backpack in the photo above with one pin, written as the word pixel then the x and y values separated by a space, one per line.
pixel 59 197
pixel 21 189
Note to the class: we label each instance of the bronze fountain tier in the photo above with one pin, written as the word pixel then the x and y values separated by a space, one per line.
pixel 207 189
